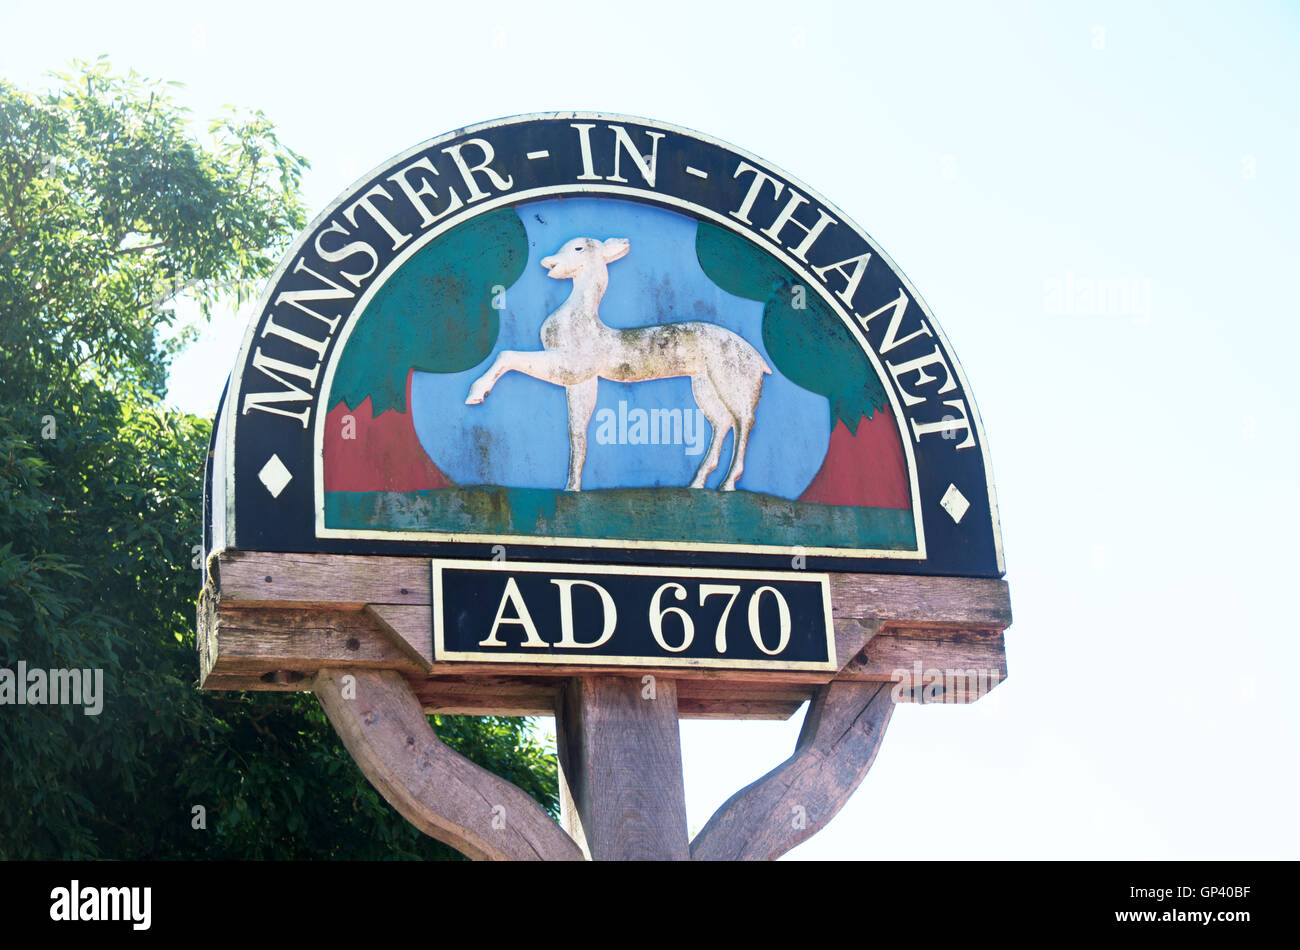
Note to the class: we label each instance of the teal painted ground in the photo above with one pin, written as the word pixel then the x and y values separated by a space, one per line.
pixel 658 514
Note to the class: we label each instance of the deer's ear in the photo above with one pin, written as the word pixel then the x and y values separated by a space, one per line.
pixel 614 248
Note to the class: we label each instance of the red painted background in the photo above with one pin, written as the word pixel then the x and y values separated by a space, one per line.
pixel 385 455
pixel 866 469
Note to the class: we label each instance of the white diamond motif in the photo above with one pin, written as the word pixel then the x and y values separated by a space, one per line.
pixel 274 476
pixel 955 503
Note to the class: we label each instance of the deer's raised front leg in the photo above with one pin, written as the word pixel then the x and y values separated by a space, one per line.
pixel 480 388
pixel 582 400
pixel 551 366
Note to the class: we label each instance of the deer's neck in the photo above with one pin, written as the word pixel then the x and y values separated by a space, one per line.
pixel 588 289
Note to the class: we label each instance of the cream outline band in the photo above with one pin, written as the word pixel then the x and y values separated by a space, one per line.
pixel 292 252
pixel 831 665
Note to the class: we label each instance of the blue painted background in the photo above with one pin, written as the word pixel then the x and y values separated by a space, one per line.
pixel 519 435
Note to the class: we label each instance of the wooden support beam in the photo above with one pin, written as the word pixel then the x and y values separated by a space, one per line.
pixel 269 640
pixel 735 708
pixel 438 790
pixel 902 598
pixel 346 580
pixel 486 695
pixel 620 756
pixel 375 612
pixel 351 581
pixel 941 665
pixel 841 735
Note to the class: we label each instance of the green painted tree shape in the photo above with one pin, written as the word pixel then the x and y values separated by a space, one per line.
pixel 810 345
pixel 436 314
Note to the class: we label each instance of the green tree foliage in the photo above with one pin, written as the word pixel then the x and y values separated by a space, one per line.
pixel 110 206
pixel 804 337
pixel 449 284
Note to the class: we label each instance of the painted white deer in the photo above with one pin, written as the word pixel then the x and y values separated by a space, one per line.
pixel 578 350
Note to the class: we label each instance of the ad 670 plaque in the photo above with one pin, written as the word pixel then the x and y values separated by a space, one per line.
pixel 631 616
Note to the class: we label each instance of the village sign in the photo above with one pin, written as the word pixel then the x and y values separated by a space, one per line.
pixel 585 415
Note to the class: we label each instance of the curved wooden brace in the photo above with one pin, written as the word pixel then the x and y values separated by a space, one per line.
pixel 842 731
pixel 438 790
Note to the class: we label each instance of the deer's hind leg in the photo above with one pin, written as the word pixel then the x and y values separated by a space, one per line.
pixel 715 410
pixel 738 453
pixel 741 400
pixel 582 400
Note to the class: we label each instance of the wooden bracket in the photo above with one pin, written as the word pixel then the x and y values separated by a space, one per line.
pixel 307 622
pixel 271 620
pixel 436 789
pixel 842 732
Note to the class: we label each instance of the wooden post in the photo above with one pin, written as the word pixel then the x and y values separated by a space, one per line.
pixel 620 756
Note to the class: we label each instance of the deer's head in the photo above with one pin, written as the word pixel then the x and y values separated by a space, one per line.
pixel 577 254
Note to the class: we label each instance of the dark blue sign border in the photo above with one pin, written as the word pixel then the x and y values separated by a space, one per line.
pixel 515 160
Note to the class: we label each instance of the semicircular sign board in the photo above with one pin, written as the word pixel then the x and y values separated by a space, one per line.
pixel 596 338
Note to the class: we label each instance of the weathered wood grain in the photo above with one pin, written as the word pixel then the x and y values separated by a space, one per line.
pixel 620 758
pixel 298 639
pixel 841 735
pixel 402 633
pixel 695 674
pixel 851 637
pixel 262 643
pixel 206 633
pixel 735 709
pixel 943 623
pixel 319 611
pixel 409 627
pixel 968 663
pixel 267 682
pixel 973 601
pixel 537 696
pixel 488 695
pixel 253 578
pixel 706 699
pixel 256 645
pixel 439 791
pixel 354 580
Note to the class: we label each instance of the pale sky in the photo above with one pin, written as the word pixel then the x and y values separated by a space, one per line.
pixel 1144 452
